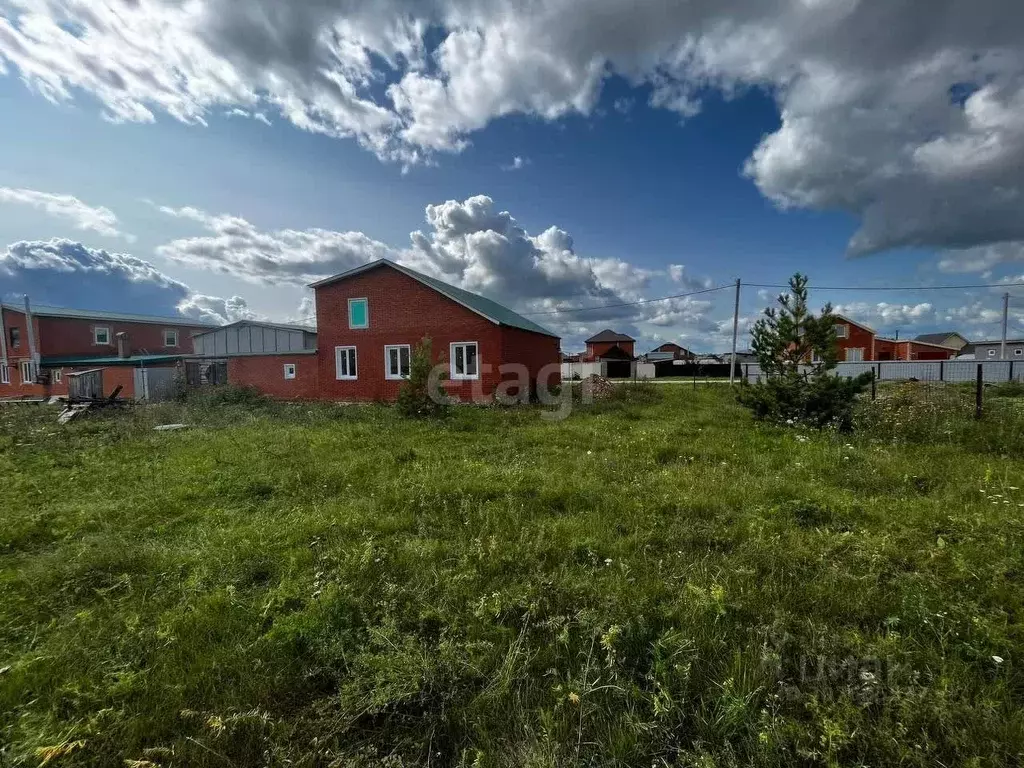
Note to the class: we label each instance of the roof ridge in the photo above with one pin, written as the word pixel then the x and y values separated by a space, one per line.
pixel 486 307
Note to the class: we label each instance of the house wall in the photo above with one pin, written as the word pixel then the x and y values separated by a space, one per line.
pixel 857 338
pixel 1014 351
pixel 886 349
pixel 539 353
pixel 401 311
pixel 63 336
pixel 599 349
pixel 266 373
pixel 916 350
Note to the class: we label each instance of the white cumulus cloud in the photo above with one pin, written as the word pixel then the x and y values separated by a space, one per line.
pixel 909 116
pixel 96 219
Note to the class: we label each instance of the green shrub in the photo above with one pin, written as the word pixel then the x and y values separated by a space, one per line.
pixel 787 341
pixel 417 397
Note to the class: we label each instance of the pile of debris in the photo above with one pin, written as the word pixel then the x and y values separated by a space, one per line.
pixel 76 406
pixel 596 387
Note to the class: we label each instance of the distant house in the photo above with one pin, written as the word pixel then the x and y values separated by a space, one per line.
pixel 857 343
pixel 990 350
pixel 668 351
pixel 41 345
pixel 957 341
pixel 614 350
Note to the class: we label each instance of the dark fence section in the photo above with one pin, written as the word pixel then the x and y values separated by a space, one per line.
pixel 668 369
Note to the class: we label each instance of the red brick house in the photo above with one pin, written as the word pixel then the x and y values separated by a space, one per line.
pixel 860 343
pixel 38 349
pixel 669 351
pixel 609 345
pixel 370 318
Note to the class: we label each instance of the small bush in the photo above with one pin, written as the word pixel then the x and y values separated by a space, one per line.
pixel 417 398
pixel 229 394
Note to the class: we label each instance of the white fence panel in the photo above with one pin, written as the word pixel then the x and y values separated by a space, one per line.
pixel 952 371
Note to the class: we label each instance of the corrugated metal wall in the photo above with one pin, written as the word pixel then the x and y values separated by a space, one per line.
pixel 252 340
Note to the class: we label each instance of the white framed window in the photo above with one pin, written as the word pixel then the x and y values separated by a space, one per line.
pixel 1018 352
pixel 397 361
pixel 345 363
pixel 855 355
pixel 465 360
pixel 815 358
pixel 28 372
pixel 5 373
pixel 100 334
pixel 358 313
pixel 58 375
pixel 842 331
pixel 170 337
pixel 289 370
pixel 991 353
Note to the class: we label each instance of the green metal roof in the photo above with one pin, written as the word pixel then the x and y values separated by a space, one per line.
pixel 43 310
pixel 492 310
pixel 49 362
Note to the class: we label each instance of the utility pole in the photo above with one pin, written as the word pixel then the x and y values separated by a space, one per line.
pixel 735 333
pixel 1006 314
pixel 33 353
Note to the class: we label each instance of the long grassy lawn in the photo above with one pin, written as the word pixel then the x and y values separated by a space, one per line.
pixel 645 583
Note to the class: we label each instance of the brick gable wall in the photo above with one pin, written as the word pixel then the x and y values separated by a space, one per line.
pixel 402 311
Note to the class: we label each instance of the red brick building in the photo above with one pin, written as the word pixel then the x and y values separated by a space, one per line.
pixel 38 349
pixel 370 318
pixel 609 345
pixel 860 343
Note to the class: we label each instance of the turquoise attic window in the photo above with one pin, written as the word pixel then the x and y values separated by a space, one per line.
pixel 358 314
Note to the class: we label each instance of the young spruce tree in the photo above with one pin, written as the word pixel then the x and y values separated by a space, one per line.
pixel 416 398
pixel 797 354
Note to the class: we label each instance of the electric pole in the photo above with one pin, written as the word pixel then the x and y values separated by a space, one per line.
pixel 735 333
pixel 1006 314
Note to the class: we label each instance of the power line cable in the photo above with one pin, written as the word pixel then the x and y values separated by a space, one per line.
pixel 889 287
pixel 626 303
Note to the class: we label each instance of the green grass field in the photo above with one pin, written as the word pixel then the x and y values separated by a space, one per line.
pixel 654 581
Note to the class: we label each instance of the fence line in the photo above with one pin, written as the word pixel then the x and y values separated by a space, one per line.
pixel 953 371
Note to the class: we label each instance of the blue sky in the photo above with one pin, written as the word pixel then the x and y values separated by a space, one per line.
pixel 635 157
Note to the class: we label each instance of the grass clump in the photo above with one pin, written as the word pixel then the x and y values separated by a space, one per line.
pixel 664 583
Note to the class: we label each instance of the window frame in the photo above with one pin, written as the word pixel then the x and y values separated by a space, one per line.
pixel 5 373
pixel 387 362
pixel 293 373
pixel 57 375
pixel 366 303
pixel 992 352
pixel 1018 351
pixel 31 379
pixel 171 331
pixel 95 336
pixel 452 374
pixel 846 330
pixel 14 337
pixel 337 362
pixel 859 350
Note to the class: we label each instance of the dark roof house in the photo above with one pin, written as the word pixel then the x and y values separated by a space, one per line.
pixel 608 335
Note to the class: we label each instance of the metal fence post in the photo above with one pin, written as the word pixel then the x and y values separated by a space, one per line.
pixel 942 368
pixel 977 393
pixel 874 385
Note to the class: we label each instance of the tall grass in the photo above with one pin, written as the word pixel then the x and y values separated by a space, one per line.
pixel 654 581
